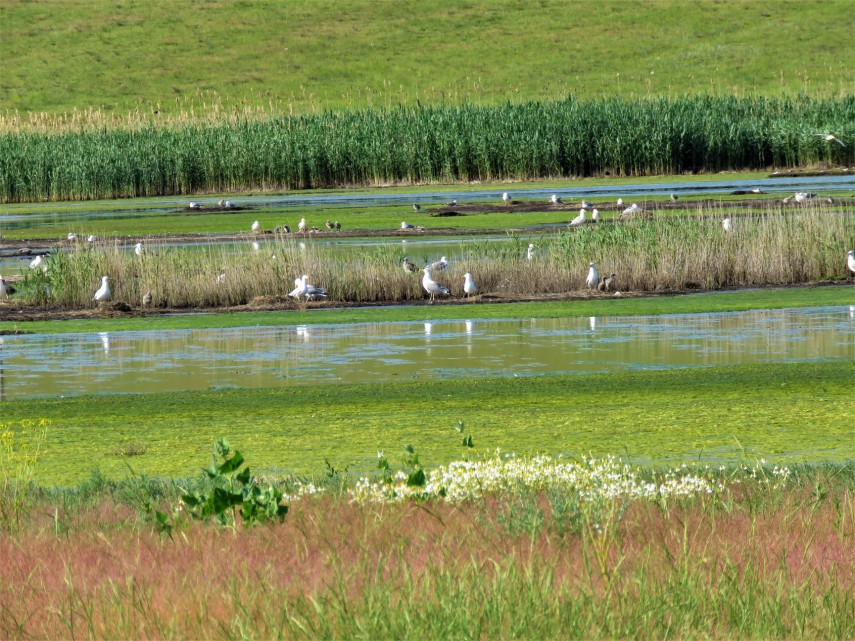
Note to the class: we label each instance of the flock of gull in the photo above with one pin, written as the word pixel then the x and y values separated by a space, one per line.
pixel 303 289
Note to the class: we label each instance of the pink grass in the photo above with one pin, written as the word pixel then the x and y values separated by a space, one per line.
pixel 113 576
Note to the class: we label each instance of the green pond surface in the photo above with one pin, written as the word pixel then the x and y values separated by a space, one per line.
pixel 155 361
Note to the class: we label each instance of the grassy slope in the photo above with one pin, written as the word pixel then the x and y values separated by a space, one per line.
pixel 780 412
pixel 59 56
pixel 688 304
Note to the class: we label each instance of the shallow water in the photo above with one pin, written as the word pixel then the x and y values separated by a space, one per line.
pixel 154 361
pixel 19 216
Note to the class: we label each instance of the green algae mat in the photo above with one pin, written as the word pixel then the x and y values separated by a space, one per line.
pixel 793 413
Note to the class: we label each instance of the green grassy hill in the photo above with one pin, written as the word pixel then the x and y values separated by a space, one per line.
pixel 173 55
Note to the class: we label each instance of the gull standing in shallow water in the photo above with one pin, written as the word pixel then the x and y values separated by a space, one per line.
pixel 469 285
pixel 103 293
pixel 431 286
pixel 593 278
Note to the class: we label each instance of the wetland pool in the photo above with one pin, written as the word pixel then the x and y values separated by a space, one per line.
pixel 33 366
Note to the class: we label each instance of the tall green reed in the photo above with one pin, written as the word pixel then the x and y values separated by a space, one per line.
pixel 427 144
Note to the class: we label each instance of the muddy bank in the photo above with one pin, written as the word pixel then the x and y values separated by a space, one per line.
pixel 12 311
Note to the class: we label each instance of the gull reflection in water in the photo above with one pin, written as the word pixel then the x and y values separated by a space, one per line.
pixel 105 342
pixel 592 321
pixel 303 332
pixel 428 329
pixel 852 312
pixel 469 328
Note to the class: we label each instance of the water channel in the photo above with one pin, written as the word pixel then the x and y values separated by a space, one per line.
pixel 27 214
pixel 152 361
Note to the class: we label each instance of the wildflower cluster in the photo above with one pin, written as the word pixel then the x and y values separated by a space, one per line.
pixel 593 480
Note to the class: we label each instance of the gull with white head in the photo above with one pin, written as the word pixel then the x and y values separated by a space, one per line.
pixel 595 215
pixel 439 266
pixel 850 263
pixel 312 292
pixel 469 285
pixel 299 288
pixel 301 226
pixel 727 225
pixel 579 219
pixel 256 226
pixel 103 293
pixel 593 278
pixel 138 249
pixel 529 255
pixel 431 286
pixel 506 198
pixel 556 200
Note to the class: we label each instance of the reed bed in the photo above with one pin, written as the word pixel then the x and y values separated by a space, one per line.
pixel 646 255
pixel 759 560
pixel 427 144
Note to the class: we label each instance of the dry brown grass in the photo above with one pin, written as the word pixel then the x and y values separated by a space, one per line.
pixel 665 253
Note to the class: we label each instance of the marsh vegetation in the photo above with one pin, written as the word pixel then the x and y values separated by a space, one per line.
pixel 646 255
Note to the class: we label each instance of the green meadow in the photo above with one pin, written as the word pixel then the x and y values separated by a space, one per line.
pixel 288 56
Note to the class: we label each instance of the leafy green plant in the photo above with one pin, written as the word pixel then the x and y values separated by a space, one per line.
pixel 234 491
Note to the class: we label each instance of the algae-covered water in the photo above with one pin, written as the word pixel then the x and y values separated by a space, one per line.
pixel 158 361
